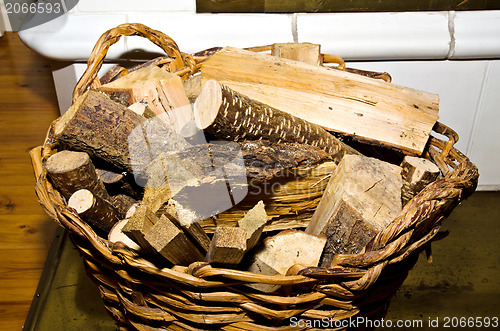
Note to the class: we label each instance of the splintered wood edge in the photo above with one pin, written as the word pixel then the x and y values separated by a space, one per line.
pixel 208 103
pixel 82 200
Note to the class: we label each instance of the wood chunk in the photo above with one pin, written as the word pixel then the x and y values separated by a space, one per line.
pixel 227 114
pixel 141 108
pixel 116 234
pixel 118 183
pixel 282 251
pixel 228 246
pixel 171 242
pixel 139 225
pixel 97 125
pixel 192 87
pixel 122 203
pixel 362 197
pixel 142 86
pixel 290 200
pixel 71 171
pixel 372 110
pixel 417 173
pixel 99 213
pixel 303 52
pixel 187 221
pixel 253 222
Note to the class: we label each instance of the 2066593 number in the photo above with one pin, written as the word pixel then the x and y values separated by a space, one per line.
pixel 470 322
pixel 33 8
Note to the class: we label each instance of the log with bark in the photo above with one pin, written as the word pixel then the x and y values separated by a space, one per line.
pixel 372 110
pixel 71 171
pixel 225 113
pixel 97 212
pixel 362 197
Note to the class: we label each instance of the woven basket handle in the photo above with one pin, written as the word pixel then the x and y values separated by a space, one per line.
pixel 89 78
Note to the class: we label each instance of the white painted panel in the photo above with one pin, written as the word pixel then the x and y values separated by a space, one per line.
pixel 378 36
pixel 477 34
pixel 458 84
pixel 72 37
pixel 485 144
pixel 195 32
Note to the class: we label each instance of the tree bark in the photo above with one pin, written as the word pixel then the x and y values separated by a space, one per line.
pixel 227 114
pixel 71 171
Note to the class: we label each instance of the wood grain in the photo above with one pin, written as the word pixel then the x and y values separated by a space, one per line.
pixel 28 105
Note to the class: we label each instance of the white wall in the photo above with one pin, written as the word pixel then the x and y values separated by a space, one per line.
pixel 453 54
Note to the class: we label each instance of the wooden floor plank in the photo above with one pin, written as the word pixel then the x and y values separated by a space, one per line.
pixel 27 106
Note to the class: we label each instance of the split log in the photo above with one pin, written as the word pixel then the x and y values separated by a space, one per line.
pixel 187 221
pixel 253 222
pixel 192 87
pixel 362 197
pixel 417 173
pixel 141 108
pixel 372 110
pixel 97 212
pixel 228 246
pixel 139 224
pixel 171 242
pixel 97 125
pixel 71 171
pixel 284 250
pixel 303 52
pixel 227 114
pixel 116 234
pixel 290 199
pixel 142 85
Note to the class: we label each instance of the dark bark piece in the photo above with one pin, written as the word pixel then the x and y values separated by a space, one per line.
pixel 122 203
pixel 71 171
pixel 99 213
pixel 97 125
pixel 230 115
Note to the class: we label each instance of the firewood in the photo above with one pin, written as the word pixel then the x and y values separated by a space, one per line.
pixel 141 108
pixel 225 113
pixel 122 203
pixel 119 183
pixel 192 87
pixel 185 219
pixel 171 242
pixel 143 85
pixel 372 110
pixel 362 197
pixel 417 173
pixel 282 251
pixel 116 234
pixel 97 125
pixel 99 213
pixel 71 171
pixel 139 224
pixel 228 246
pixel 303 52
pixel 253 222
pixel 290 199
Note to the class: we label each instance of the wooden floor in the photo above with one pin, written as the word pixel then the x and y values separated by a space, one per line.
pixel 27 106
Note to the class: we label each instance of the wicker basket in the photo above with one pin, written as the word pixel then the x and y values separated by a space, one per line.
pixel 140 295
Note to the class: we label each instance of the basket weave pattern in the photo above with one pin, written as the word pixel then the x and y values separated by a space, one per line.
pixel 140 295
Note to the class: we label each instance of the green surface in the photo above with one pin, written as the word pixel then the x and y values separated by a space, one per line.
pixel 462 281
